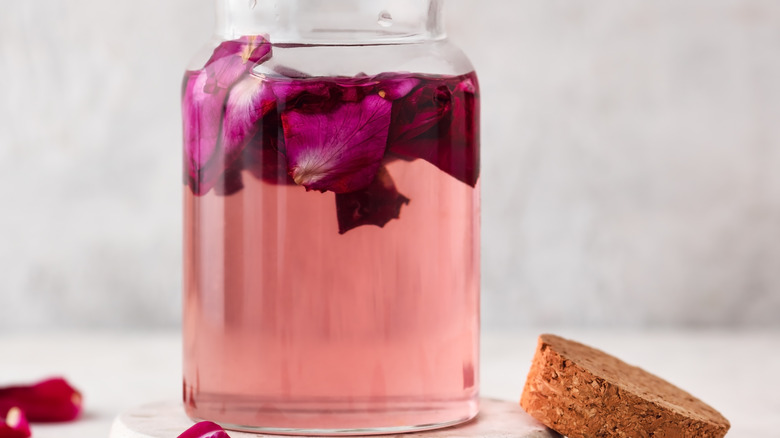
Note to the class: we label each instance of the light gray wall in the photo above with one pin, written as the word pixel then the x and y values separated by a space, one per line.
pixel 630 172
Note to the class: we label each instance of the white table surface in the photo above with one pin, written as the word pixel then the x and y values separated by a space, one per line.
pixel 738 373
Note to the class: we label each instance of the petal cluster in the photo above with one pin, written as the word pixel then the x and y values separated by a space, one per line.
pixel 328 134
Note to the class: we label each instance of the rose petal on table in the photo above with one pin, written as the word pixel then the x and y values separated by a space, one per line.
pixel 205 429
pixel 340 150
pixel 15 425
pixel 376 204
pixel 203 105
pixel 50 400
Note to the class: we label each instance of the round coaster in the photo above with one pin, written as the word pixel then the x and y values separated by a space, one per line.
pixel 496 419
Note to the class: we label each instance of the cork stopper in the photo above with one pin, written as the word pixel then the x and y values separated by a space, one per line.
pixel 580 391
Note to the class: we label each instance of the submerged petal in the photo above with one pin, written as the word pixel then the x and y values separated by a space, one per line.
pixel 201 115
pixel 263 154
pixel 376 204
pixel 51 400
pixel 340 150
pixel 205 429
pixel 439 122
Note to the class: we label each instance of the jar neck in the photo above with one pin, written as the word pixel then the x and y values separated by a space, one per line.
pixel 349 22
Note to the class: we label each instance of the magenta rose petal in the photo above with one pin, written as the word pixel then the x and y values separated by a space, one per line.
pixel 205 429
pixel 338 151
pixel 203 102
pixel 201 114
pixel 395 86
pixel 232 59
pixel 376 204
pixel 15 425
pixel 51 400
pixel 248 101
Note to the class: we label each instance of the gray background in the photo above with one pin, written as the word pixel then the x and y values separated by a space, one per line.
pixel 630 175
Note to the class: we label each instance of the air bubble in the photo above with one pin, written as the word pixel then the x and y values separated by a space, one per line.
pixel 385 19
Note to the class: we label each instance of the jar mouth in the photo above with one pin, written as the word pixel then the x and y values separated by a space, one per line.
pixel 332 22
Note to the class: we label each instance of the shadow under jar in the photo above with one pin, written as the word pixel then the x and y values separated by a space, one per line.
pixel 331 220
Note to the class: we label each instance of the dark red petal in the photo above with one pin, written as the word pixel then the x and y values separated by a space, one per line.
pixel 376 204
pixel 440 124
pixel 338 151
pixel 231 181
pixel 268 164
pixel 421 111
pixel 263 156
pixel 306 95
pixel 15 425
pixel 205 429
pixel 47 401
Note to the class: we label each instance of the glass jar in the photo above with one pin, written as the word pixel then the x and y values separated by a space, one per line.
pixel 331 220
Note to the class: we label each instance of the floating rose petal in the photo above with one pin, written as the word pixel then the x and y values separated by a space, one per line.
pixel 323 95
pixel 15 425
pixel 203 106
pixel 247 102
pixel 232 59
pixel 421 111
pixel 51 400
pixel 394 86
pixel 440 124
pixel 376 204
pixel 205 429
pixel 268 164
pixel 306 95
pixel 338 151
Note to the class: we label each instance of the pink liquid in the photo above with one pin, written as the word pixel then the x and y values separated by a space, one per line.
pixel 291 327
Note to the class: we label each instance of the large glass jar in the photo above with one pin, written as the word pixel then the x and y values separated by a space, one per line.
pixel 331 220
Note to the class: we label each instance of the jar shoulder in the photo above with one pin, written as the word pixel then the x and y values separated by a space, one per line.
pixel 439 57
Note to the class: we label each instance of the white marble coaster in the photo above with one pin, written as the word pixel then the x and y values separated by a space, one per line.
pixel 496 419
